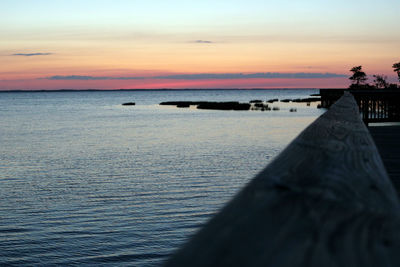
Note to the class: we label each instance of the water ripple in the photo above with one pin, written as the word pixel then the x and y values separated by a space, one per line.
pixel 87 182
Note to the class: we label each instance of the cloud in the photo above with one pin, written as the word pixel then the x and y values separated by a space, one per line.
pixel 32 54
pixel 91 78
pixel 202 42
pixel 262 75
pixel 208 76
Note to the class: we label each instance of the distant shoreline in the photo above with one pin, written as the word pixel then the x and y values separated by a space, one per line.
pixel 161 89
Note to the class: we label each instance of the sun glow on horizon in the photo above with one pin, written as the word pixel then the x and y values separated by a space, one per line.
pixel 124 38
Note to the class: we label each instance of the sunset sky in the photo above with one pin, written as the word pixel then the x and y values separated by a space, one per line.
pixel 118 44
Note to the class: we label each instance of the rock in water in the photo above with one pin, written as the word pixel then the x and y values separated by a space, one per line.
pixel 129 104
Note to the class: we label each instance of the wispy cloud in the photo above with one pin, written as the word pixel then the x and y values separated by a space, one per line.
pixel 208 76
pixel 92 78
pixel 202 42
pixel 265 75
pixel 31 54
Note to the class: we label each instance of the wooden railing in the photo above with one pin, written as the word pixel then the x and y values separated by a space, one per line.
pixel 379 105
pixel 330 96
pixel 326 200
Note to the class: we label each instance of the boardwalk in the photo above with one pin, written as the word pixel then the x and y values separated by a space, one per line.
pixel 387 139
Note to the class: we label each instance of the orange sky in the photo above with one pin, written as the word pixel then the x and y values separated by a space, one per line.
pixel 126 39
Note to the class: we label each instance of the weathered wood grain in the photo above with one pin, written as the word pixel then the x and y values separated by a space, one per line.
pixel 326 200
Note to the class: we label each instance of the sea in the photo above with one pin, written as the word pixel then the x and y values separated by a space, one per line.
pixel 86 181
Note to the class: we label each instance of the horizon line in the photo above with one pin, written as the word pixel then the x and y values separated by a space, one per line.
pixel 151 89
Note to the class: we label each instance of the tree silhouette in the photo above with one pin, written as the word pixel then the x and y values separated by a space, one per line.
pixel 396 68
pixel 380 81
pixel 359 77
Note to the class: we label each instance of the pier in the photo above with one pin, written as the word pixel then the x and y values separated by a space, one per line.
pixel 387 140
pixel 375 105
pixel 325 200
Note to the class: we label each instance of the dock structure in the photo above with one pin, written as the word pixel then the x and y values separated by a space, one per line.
pixel 325 200
pixel 330 96
pixel 375 105
pixel 387 139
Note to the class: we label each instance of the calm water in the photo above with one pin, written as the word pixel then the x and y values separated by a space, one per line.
pixel 86 181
